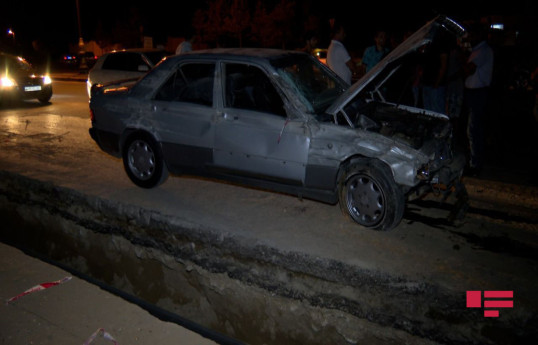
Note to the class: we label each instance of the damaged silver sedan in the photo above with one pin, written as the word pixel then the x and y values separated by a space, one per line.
pixel 283 121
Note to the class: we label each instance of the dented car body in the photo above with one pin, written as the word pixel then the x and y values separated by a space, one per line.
pixel 283 121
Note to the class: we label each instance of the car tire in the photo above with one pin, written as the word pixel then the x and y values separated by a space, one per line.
pixel 45 96
pixel 369 195
pixel 143 161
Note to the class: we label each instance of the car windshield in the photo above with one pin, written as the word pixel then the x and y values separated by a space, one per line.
pixel 315 85
pixel 9 63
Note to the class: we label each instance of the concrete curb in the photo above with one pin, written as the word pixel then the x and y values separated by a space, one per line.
pixel 70 313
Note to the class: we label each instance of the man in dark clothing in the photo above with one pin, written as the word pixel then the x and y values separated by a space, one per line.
pixel 434 76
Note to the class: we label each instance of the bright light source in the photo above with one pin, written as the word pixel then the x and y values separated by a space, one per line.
pixel 497 26
pixel 7 82
pixel 47 80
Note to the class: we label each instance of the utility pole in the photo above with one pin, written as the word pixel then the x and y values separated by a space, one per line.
pixel 80 40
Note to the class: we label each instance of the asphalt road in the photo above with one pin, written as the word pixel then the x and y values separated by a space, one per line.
pixel 51 143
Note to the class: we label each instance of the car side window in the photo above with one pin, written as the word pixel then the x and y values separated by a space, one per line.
pixel 124 61
pixel 248 87
pixel 192 82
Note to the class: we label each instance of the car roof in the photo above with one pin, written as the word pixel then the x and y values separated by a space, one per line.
pixel 263 53
pixel 136 50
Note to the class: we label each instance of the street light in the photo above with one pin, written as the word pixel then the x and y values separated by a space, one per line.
pixel 11 33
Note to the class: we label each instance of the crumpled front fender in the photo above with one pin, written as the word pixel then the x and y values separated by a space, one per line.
pixel 403 161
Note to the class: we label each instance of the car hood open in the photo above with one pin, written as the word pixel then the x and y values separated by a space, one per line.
pixel 388 65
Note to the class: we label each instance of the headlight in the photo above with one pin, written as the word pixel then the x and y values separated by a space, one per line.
pixel 6 82
pixel 47 80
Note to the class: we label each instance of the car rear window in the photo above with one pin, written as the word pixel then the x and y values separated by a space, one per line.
pixel 124 61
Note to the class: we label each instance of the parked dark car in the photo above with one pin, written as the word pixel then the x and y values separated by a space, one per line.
pixel 86 61
pixel 19 80
pixel 284 121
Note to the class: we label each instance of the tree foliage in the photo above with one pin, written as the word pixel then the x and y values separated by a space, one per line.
pixel 243 24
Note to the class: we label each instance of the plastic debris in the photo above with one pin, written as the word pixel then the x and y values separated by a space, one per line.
pixel 103 333
pixel 39 287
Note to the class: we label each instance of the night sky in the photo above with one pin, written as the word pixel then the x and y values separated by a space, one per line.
pixel 56 24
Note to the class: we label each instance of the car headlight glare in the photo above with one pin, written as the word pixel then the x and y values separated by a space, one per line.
pixel 47 80
pixel 7 82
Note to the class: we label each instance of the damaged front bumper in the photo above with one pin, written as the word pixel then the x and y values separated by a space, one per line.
pixel 446 181
pixel 445 173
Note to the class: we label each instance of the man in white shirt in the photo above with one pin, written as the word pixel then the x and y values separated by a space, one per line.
pixel 338 57
pixel 185 46
pixel 479 71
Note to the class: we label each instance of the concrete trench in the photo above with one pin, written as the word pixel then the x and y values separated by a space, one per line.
pixel 233 285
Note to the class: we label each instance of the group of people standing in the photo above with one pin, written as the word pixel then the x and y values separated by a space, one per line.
pixel 454 79
pixel 450 79
pixel 340 61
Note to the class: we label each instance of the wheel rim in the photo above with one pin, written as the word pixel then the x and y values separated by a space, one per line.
pixel 365 200
pixel 141 159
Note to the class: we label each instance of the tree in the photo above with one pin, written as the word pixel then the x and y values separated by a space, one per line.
pixel 269 27
pixel 208 22
pixel 223 18
pixel 273 26
pixel 237 21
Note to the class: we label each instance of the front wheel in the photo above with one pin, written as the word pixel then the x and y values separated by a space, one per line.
pixel 143 161
pixel 45 96
pixel 369 195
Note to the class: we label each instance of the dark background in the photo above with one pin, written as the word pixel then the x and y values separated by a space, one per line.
pixel 54 25
pixel 51 29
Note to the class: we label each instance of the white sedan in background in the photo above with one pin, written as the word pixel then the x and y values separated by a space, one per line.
pixel 123 65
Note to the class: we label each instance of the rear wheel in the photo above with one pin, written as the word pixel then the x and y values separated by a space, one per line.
pixel 143 161
pixel 369 195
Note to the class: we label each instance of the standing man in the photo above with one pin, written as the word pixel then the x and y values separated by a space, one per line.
pixel 374 53
pixel 311 43
pixel 434 76
pixel 338 57
pixel 479 71
pixel 186 45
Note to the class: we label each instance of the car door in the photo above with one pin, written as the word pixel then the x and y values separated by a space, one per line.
pixel 254 137
pixel 183 109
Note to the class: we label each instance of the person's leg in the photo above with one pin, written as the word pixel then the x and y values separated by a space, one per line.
pixel 475 129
